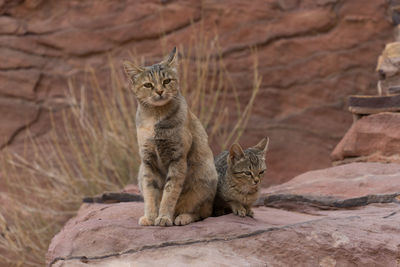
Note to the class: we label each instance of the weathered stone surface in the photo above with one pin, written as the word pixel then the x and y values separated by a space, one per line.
pixel 108 234
pixel 19 83
pixel 312 55
pixel 347 186
pixel 389 61
pixel 371 138
pixel 365 105
pixel 350 239
pixel 16 115
pixel 388 68
pixel 8 25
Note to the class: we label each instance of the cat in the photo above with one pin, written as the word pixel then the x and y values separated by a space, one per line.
pixel 177 175
pixel 239 178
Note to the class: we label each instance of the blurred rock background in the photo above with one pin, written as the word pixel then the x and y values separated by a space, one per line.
pixel 312 55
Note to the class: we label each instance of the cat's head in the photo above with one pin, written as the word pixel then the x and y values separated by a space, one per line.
pixel 154 85
pixel 248 167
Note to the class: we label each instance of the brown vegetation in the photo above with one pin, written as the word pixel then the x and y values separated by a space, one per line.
pixel 94 149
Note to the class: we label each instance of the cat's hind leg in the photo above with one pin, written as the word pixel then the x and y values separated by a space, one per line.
pixel 187 209
pixel 186 218
pixel 193 206
pixel 204 211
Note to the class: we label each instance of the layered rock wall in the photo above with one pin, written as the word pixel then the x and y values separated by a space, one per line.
pixel 312 54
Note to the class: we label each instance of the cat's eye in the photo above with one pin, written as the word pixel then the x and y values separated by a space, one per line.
pixel 247 173
pixel 166 81
pixel 148 85
pixel 261 172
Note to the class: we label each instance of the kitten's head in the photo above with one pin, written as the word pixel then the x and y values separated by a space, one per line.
pixel 155 85
pixel 248 167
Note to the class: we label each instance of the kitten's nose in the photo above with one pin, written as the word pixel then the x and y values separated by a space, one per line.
pixel 160 92
pixel 256 180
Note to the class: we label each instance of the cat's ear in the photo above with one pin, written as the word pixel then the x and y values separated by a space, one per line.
pixel 132 70
pixel 262 145
pixel 172 59
pixel 235 153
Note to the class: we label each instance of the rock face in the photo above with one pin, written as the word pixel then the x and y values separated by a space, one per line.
pixel 371 138
pixel 312 54
pixel 367 235
pixel 388 68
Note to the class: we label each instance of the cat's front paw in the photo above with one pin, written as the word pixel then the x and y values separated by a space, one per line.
pixel 145 221
pixel 240 211
pixel 163 220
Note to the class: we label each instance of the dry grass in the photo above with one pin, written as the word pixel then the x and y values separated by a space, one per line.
pixel 92 148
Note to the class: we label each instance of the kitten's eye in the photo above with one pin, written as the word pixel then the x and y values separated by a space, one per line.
pixel 247 173
pixel 166 81
pixel 261 172
pixel 148 85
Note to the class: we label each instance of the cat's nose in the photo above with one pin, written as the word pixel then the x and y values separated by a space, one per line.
pixel 256 180
pixel 160 92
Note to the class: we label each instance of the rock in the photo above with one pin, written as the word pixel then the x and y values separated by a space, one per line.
pixel 288 4
pixel 389 61
pixel 388 86
pixel 365 105
pixel 368 235
pixel 20 83
pixel 115 197
pixel 388 68
pixel 396 15
pixel 371 138
pixel 357 238
pixel 16 115
pixel 8 25
pixel 345 186
pixel 312 55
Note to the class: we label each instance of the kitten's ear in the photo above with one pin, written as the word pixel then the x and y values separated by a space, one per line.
pixel 262 145
pixel 235 153
pixel 132 70
pixel 172 59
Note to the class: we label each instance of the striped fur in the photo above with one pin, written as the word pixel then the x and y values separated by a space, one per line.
pixel 177 175
pixel 239 178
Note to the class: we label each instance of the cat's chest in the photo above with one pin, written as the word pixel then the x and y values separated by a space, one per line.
pixel 241 193
pixel 249 198
pixel 145 131
pixel 159 144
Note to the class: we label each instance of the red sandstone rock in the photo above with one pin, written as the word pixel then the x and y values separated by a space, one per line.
pixel 343 182
pixel 371 138
pixel 312 54
pixel 16 114
pixel 21 84
pixel 108 234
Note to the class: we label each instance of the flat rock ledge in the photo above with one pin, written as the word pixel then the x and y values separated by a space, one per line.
pixel 306 231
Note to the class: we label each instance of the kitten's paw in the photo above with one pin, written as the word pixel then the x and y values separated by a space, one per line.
pixel 250 213
pixel 163 221
pixel 239 211
pixel 145 221
pixel 184 219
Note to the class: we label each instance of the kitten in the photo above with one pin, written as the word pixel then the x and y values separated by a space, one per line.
pixel 177 175
pixel 239 178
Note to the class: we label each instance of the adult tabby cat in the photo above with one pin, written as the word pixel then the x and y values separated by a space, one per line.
pixel 239 178
pixel 177 175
